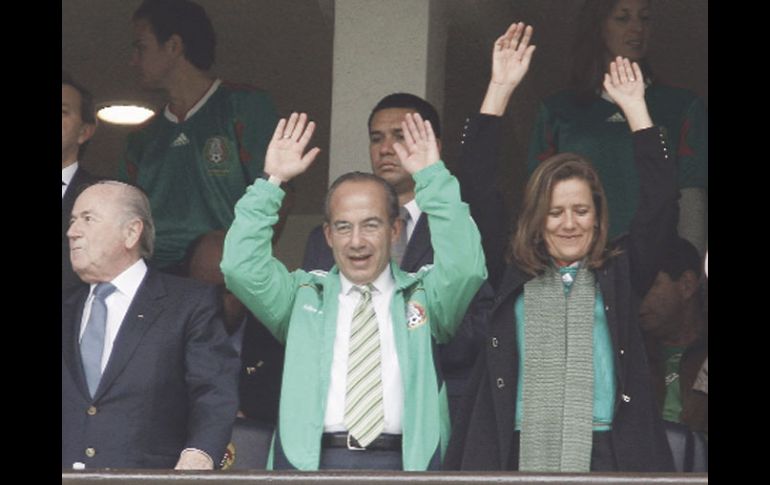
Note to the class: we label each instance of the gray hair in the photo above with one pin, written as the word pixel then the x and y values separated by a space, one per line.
pixel 391 198
pixel 136 205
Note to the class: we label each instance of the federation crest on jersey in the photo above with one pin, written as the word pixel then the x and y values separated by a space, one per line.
pixel 415 315
pixel 215 150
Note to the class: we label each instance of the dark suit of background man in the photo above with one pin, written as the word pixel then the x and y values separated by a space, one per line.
pixel 458 356
pixel 162 389
pixel 261 354
pixel 78 123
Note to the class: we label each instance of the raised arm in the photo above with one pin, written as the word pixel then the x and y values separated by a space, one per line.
pixel 480 166
pixel 625 85
pixel 458 270
pixel 511 55
pixel 654 223
pixel 251 272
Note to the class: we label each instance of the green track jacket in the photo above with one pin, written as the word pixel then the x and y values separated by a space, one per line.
pixel 300 309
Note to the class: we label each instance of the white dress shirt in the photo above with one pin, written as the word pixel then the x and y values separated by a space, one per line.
pixel 414 215
pixel 117 303
pixel 66 176
pixel 392 385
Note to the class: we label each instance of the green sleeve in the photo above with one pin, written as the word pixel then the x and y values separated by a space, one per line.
pixel 251 271
pixel 459 268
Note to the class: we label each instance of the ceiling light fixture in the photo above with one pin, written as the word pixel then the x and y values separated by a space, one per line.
pixel 124 113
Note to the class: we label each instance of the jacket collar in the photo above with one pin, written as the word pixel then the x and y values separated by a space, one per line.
pixel 419 245
pixel 403 279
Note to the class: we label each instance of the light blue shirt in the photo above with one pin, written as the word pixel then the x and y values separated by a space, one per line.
pixel 604 365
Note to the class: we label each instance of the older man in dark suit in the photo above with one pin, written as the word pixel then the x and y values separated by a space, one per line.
pixel 148 377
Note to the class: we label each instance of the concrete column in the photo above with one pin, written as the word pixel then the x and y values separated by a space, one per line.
pixel 381 47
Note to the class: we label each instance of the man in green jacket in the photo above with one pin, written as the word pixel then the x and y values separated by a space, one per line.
pixel 360 386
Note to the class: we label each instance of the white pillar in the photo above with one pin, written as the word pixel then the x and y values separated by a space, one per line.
pixel 380 47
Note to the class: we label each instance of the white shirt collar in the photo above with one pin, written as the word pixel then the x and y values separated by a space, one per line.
pixel 414 209
pixel 414 215
pixel 172 117
pixel 129 280
pixel 382 284
pixel 68 172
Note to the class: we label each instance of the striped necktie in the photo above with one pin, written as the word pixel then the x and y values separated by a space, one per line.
pixel 364 414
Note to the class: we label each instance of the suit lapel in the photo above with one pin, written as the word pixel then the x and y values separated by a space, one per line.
pixel 72 314
pixel 146 307
pixel 419 250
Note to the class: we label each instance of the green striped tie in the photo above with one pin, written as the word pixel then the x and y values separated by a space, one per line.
pixel 364 415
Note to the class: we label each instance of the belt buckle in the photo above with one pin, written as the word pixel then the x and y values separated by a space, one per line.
pixel 352 447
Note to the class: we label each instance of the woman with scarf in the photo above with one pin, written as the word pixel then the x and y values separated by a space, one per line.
pixel 564 384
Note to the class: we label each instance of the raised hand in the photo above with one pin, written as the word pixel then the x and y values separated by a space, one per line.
pixel 419 148
pixel 284 158
pixel 625 85
pixel 511 55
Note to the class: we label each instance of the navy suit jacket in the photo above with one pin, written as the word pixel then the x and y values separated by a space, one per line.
pixel 171 381
pixel 456 357
pixel 261 372
pixel 69 280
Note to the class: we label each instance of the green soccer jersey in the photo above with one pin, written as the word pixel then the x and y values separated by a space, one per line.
pixel 195 170
pixel 600 132
pixel 672 404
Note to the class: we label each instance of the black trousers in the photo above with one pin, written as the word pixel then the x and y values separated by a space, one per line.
pixel 345 459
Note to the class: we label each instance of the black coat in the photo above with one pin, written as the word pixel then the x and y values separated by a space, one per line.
pixel 482 437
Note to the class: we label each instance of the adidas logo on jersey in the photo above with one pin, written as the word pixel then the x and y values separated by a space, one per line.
pixel 616 118
pixel 181 140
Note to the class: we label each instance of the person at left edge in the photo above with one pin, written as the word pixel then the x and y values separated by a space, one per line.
pixel 159 387
pixel 314 313
pixel 196 158
pixel 78 124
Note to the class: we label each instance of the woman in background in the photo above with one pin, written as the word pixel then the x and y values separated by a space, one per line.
pixel 584 119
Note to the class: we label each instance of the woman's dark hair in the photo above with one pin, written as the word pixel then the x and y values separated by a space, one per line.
pixel 528 248
pixel 589 52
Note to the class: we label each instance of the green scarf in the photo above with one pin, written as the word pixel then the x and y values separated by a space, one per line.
pixel 558 376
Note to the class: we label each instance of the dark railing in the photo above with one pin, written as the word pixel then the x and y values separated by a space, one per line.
pixel 163 477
